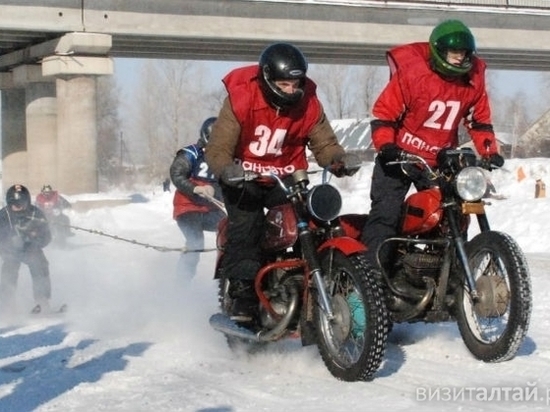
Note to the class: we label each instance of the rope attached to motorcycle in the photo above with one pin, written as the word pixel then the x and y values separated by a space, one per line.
pixel 215 201
pixel 135 242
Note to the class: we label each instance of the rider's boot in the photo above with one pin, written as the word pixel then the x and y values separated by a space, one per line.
pixel 241 291
pixel 245 301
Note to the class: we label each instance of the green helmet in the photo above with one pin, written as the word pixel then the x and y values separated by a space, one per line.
pixel 451 35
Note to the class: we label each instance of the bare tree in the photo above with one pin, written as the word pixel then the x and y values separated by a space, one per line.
pixel 511 116
pixel 545 82
pixel 108 128
pixel 335 90
pixel 348 91
pixel 149 119
pixel 214 100
pixel 372 82
pixel 169 109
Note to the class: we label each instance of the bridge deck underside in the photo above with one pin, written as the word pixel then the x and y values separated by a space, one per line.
pixel 327 32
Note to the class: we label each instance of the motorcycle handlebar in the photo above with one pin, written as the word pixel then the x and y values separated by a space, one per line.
pixel 265 176
pixel 409 158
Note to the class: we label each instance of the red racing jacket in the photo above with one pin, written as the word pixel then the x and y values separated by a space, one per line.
pixel 271 140
pixel 421 111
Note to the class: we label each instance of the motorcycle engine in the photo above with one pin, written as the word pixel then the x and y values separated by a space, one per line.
pixel 418 265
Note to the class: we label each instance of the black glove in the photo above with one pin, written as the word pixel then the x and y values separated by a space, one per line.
pixel 233 175
pixel 389 152
pixel 346 164
pixel 496 160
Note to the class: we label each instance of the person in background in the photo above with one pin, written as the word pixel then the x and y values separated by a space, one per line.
pixel 270 116
pixel 433 87
pixel 24 232
pixel 53 204
pixel 166 185
pixel 194 210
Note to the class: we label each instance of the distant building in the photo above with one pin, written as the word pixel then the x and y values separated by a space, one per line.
pixel 355 136
pixel 535 142
pixel 504 139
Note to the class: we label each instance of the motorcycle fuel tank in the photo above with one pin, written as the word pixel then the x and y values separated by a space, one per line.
pixel 422 211
pixel 281 230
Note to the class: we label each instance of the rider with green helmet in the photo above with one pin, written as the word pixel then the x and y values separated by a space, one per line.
pixel 434 87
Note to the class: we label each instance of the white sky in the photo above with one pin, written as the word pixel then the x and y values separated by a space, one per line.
pixel 509 81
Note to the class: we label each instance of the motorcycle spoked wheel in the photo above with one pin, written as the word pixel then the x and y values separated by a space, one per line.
pixel 235 343
pixel 353 343
pixel 494 328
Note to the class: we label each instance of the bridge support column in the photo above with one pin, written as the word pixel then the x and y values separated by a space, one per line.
pixel 77 135
pixel 14 145
pixel 76 78
pixel 29 128
pixel 41 121
pixel 49 129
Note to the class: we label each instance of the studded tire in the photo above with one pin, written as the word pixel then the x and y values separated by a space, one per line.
pixel 352 344
pixel 494 327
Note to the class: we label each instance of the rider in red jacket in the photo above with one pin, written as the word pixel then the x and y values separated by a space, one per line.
pixel 270 116
pixel 434 86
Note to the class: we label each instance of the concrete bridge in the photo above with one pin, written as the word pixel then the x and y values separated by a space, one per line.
pixel 52 52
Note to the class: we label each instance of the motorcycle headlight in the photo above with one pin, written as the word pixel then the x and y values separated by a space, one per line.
pixel 324 202
pixel 471 184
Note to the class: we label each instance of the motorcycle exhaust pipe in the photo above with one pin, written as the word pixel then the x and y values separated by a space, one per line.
pixel 276 332
pixel 222 323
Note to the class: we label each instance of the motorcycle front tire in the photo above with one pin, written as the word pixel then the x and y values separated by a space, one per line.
pixel 494 327
pixel 353 342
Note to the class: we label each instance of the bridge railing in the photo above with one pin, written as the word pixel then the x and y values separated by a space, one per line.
pixel 499 4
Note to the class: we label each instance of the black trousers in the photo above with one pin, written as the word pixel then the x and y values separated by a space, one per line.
pixel 246 222
pixel 389 187
pixel 38 265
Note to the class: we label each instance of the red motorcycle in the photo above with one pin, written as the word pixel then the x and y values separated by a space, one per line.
pixel 437 273
pixel 312 285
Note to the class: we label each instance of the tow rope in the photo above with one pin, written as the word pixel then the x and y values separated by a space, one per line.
pixel 135 242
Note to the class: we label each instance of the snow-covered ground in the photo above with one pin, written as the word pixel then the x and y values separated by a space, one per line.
pixel 135 338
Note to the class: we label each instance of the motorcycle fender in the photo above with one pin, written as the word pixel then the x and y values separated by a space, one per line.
pixel 344 244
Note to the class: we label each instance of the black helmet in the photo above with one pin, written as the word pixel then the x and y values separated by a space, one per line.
pixel 206 129
pixel 18 195
pixel 451 35
pixel 282 61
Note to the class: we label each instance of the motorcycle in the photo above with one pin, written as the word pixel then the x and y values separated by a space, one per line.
pixel 435 273
pixel 312 284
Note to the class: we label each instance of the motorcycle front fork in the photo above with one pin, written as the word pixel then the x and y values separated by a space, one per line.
pixel 324 301
pixel 461 250
pixel 310 255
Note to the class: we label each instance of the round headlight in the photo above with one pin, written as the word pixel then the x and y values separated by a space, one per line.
pixel 471 183
pixel 324 202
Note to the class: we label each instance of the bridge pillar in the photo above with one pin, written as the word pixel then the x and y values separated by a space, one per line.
pixel 77 135
pixel 14 145
pixel 41 124
pixel 29 128
pixel 49 129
